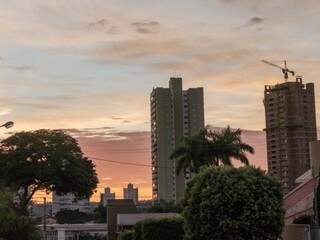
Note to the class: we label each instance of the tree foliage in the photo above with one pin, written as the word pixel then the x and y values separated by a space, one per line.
pixel 165 207
pixel 88 236
pixel 47 160
pixel 163 228
pixel 13 226
pixel 126 235
pixel 73 217
pixel 225 203
pixel 211 148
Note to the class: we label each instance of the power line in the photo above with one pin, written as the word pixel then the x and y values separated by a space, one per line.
pixel 120 162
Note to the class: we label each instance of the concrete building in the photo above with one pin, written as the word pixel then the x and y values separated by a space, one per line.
pixel 72 231
pixel 174 114
pixel 128 220
pixel 69 202
pixel 115 207
pixel 290 126
pixel 106 195
pixel 131 193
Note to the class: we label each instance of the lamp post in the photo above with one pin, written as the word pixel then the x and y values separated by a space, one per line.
pixel 7 125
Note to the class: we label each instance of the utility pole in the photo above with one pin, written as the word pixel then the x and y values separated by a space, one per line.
pixel 45 218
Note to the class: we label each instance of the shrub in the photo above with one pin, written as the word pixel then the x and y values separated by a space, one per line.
pixel 12 225
pixel 138 234
pixel 226 203
pixel 163 229
pixel 127 235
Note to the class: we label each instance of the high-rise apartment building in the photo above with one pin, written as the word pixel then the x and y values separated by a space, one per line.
pixel 290 126
pixel 107 195
pixel 174 114
pixel 131 193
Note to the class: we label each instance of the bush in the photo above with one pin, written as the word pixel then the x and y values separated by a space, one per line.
pixel 127 235
pixel 163 229
pixel 226 203
pixel 88 236
pixel 138 233
pixel 12 225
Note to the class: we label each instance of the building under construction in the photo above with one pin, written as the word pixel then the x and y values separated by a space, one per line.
pixel 290 126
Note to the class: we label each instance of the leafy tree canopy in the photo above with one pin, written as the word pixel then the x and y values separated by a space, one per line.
pixel 72 217
pixel 226 203
pixel 48 160
pixel 211 148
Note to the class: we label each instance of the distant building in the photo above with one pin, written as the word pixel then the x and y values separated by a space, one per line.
pixel 290 126
pixel 175 114
pixel 106 195
pixel 69 202
pixel 131 193
pixel 37 209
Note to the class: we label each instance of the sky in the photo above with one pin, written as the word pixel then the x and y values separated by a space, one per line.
pixel 88 66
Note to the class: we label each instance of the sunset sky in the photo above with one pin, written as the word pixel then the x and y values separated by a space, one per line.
pixel 89 66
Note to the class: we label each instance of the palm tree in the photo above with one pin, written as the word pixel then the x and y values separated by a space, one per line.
pixel 225 145
pixel 190 154
pixel 211 148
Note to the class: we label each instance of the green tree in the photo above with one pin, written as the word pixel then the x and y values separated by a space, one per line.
pixel 72 217
pixel 126 235
pixel 211 148
pixel 13 226
pixel 47 160
pixel 165 207
pixel 191 152
pixel 225 145
pixel 226 203
pixel 88 236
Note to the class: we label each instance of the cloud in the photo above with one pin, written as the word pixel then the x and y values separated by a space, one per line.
pixel 146 26
pixel 17 68
pixel 139 48
pixel 254 21
pixel 97 24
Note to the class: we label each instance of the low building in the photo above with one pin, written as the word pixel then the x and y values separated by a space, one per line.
pixel 71 231
pixel 300 201
pixel 128 220
pixel 115 207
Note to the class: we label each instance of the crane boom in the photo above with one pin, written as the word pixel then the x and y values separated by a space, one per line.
pixel 284 70
pixel 272 64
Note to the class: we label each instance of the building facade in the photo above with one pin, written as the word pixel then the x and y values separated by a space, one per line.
pixel 131 192
pixel 175 114
pixel 69 202
pixel 290 126
pixel 106 195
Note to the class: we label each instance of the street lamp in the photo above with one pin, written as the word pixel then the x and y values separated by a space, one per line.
pixel 8 124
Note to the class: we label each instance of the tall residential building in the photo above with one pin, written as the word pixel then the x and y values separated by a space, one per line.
pixel 290 126
pixel 131 193
pixel 104 197
pixel 174 114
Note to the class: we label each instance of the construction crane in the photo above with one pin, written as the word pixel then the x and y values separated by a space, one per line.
pixel 284 70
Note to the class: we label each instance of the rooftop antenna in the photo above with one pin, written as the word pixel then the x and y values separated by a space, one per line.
pixel 284 70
